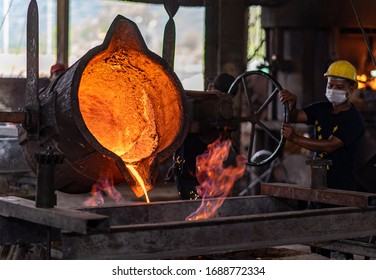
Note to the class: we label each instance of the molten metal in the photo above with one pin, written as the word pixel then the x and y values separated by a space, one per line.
pixel 130 104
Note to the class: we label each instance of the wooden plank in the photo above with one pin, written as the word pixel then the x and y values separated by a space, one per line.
pixel 176 239
pixel 64 219
pixel 329 196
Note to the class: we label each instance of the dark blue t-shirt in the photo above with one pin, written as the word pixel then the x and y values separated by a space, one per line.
pixel 348 126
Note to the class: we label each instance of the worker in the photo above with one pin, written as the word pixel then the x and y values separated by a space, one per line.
pixel 195 144
pixel 56 70
pixel 221 83
pixel 338 130
pixel 338 125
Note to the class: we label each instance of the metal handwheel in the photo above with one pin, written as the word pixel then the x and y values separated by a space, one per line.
pixel 257 112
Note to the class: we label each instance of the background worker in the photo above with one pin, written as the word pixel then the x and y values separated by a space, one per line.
pixel 56 70
pixel 338 126
pixel 338 130
pixel 222 83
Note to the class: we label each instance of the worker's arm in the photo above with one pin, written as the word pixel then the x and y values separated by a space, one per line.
pixel 320 146
pixel 296 115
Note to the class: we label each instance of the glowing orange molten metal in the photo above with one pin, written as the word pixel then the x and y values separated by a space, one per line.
pixel 130 103
pixel 215 180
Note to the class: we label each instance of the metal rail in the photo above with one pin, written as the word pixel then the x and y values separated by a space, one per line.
pixel 330 196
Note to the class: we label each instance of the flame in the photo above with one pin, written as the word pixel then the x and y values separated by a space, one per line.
pixel 364 82
pixel 106 186
pixel 215 180
pixel 372 84
pixel 362 79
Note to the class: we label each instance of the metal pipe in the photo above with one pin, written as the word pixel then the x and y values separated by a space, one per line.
pixel 319 168
pixel 13 117
pixel 45 197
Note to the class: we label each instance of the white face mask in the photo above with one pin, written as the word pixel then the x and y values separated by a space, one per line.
pixel 336 96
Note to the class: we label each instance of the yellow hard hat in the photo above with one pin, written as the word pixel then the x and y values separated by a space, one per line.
pixel 342 69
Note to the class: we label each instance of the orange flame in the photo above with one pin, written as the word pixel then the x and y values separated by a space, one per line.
pixel 215 180
pixel 364 82
pixel 105 185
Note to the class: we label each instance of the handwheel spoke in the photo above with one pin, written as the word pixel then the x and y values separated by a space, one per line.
pixel 251 140
pixel 267 130
pixel 253 116
pixel 245 89
pixel 268 100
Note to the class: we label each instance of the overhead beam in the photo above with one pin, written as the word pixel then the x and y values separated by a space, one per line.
pixel 198 3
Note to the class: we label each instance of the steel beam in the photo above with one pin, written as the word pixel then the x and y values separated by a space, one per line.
pixel 64 219
pixel 170 211
pixel 158 230
pixel 329 196
pixel 15 231
pixel 181 238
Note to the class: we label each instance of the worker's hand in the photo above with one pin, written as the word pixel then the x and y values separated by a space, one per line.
pixel 288 131
pixel 287 96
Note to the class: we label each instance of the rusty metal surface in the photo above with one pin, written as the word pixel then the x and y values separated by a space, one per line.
pixel 64 219
pixel 225 234
pixel 329 196
pixel 163 212
pixel 159 230
pixel 13 117
pixel 15 231
pixel 32 69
